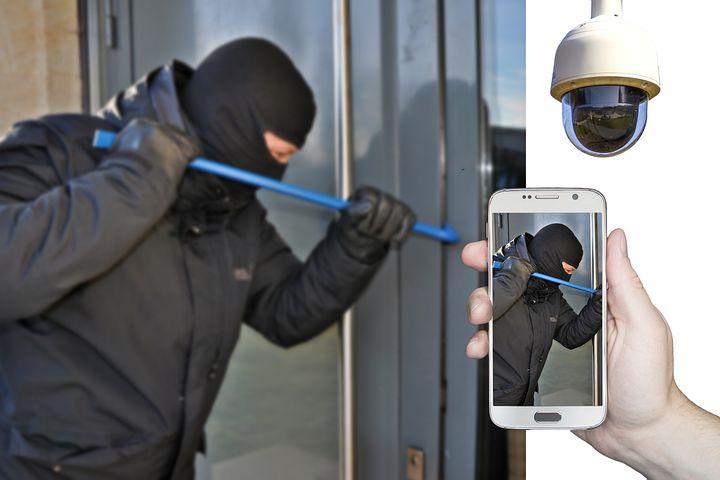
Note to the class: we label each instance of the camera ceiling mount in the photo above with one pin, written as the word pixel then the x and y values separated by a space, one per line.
pixel 606 50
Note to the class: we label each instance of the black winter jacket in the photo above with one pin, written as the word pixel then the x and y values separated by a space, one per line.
pixel 524 328
pixel 115 335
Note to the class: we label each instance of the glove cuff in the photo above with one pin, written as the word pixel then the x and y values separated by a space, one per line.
pixel 364 249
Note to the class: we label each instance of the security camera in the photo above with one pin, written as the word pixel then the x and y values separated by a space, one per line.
pixel 605 73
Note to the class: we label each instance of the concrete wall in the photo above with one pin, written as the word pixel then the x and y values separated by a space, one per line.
pixel 39 59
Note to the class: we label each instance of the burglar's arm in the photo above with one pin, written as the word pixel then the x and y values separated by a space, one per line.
pixel 509 284
pixel 574 330
pixel 55 234
pixel 291 302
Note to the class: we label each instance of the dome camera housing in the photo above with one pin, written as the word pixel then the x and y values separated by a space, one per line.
pixel 605 73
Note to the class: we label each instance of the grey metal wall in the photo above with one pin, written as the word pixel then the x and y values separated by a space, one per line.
pixel 468 186
pixel 377 327
pixel 418 133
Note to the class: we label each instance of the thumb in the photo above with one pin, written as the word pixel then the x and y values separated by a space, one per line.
pixel 627 298
pixel 360 207
pixel 362 203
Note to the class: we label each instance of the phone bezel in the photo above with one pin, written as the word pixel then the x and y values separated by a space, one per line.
pixel 511 201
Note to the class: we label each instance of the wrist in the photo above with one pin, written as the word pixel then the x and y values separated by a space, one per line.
pixel 673 446
pixel 361 248
pixel 647 448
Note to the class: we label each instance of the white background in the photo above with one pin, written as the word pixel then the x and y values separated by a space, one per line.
pixel 663 192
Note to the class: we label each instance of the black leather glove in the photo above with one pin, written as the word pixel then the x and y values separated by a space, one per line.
pixel 158 143
pixel 518 266
pixel 596 302
pixel 372 223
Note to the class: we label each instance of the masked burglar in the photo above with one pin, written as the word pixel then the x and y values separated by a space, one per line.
pixel 124 277
pixel 529 313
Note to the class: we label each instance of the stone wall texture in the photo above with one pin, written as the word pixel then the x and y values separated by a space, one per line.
pixel 39 59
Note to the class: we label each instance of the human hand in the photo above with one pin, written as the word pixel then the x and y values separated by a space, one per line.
pixel 651 425
pixel 519 266
pixel 159 143
pixel 479 306
pixel 596 302
pixel 374 221
pixel 643 398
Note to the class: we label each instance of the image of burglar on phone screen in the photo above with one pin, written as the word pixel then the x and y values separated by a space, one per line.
pixel 529 313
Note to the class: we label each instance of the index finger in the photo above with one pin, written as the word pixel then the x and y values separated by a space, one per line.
pixel 475 255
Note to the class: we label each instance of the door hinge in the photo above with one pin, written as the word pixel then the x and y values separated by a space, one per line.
pixel 415 466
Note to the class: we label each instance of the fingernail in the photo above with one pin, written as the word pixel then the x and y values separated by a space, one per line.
pixel 623 243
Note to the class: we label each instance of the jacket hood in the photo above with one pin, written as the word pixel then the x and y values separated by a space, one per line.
pixel 205 202
pixel 517 247
pixel 154 96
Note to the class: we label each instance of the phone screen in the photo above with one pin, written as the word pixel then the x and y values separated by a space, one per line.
pixel 547 282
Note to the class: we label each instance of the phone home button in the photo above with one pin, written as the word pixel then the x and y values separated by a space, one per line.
pixel 547 417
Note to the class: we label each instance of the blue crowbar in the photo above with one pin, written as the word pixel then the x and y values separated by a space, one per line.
pixel 542 276
pixel 104 139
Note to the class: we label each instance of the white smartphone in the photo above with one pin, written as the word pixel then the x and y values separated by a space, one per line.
pixel 546 279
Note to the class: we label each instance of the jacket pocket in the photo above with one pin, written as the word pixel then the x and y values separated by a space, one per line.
pixel 149 459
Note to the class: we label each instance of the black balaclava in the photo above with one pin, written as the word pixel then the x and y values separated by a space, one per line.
pixel 552 245
pixel 240 90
